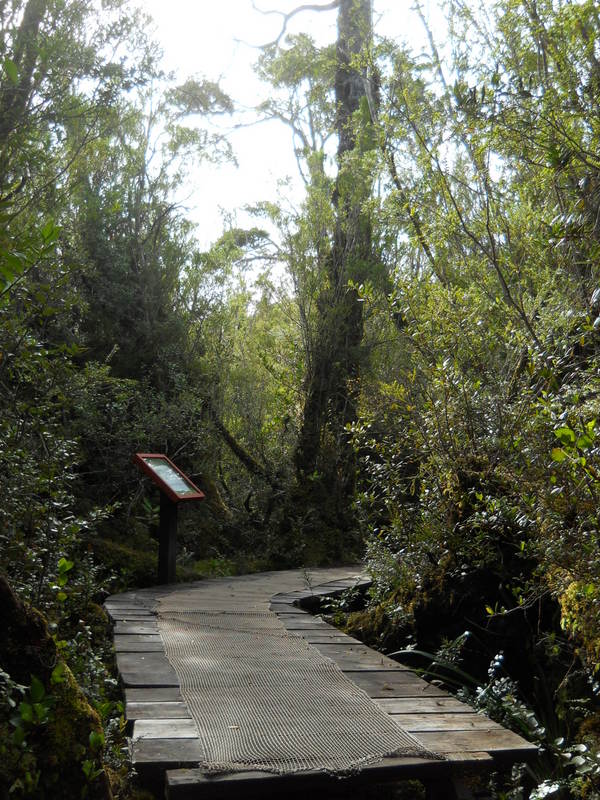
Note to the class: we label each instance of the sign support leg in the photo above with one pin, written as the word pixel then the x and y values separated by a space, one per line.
pixel 167 540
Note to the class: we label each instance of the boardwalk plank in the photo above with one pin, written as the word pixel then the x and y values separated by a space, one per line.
pixel 392 683
pixel 163 754
pixel 157 710
pixel 175 728
pixel 492 741
pixel 156 694
pixel 190 784
pixel 325 637
pixel 415 722
pixel 359 657
pixel 146 669
pixel 138 627
pixel 425 705
pixel 138 643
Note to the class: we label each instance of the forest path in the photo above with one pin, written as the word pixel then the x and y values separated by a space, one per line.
pixel 233 687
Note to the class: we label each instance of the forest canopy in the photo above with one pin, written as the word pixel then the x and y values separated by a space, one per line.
pixel 401 365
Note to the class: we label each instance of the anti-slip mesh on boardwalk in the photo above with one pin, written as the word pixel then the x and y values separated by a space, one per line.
pixel 265 699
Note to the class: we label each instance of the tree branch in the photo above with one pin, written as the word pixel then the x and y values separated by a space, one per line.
pixel 287 17
pixel 251 464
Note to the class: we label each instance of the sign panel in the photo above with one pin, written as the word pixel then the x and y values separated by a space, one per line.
pixel 169 478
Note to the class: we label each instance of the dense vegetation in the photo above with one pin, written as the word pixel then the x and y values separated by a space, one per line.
pixel 406 364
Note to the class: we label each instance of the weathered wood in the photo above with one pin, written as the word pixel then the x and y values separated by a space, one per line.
pixel 138 643
pixel 324 637
pixel 175 728
pixel 136 627
pixel 358 657
pixel 164 754
pixel 392 683
pixel 157 710
pixel 465 741
pixel 283 608
pixel 445 722
pixel 190 784
pixel 294 623
pixel 470 758
pixel 146 669
pixel 425 705
pixel 156 694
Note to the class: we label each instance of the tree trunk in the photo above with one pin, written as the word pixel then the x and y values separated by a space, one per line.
pixel 15 98
pixel 332 385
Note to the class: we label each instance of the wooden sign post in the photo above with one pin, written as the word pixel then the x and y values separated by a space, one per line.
pixel 175 487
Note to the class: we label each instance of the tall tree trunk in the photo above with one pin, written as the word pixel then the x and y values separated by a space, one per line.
pixel 332 385
pixel 15 97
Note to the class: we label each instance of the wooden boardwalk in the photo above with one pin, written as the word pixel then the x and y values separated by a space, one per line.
pixel 165 745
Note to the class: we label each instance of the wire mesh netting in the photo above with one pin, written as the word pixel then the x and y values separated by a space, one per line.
pixel 263 698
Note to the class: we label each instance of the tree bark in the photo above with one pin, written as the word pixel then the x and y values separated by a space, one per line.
pixel 15 98
pixel 332 385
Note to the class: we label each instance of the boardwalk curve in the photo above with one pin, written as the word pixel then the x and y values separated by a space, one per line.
pixel 179 731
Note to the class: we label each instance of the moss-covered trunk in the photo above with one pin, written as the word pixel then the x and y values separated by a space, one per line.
pixel 51 738
pixel 332 385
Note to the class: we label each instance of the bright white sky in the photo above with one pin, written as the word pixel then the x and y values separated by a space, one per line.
pixel 213 39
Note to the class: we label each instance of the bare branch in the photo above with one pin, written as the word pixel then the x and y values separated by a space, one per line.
pixel 287 17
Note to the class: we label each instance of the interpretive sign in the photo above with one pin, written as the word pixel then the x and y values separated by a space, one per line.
pixel 174 487
pixel 169 478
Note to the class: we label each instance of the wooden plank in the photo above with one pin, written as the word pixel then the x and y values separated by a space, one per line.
pixel 156 710
pixel 495 741
pixel 283 608
pixel 165 753
pixel 325 637
pixel 471 758
pixel 175 728
pixel 422 705
pixel 146 669
pixel 134 628
pixel 138 643
pixel 190 784
pixel 156 694
pixel 393 684
pixel 294 626
pixel 445 722
pixel 358 657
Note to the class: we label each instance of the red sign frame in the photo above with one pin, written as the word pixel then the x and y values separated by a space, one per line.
pixel 172 494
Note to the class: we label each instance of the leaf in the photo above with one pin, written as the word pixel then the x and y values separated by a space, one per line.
pixel 37 691
pixel 96 741
pixel 58 673
pixel 18 736
pixel 11 70
pixel 558 454
pixel 566 435
pixel 50 232
pixel 26 712
pixel 64 565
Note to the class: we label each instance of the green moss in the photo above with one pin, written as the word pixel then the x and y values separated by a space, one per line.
pixel 380 625
pixel 133 564
pixel 49 762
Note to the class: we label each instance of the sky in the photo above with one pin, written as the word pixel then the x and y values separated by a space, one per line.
pixel 219 41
